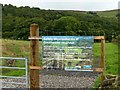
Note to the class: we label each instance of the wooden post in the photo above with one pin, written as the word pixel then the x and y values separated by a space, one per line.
pixel 102 59
pixel 34 57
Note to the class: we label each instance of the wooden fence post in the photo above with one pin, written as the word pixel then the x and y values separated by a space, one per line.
pixel 103 59
pixel 34 57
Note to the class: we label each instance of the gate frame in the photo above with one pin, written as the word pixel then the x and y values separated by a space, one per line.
pixel 16 68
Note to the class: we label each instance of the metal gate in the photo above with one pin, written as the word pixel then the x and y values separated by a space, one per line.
pixel 9 77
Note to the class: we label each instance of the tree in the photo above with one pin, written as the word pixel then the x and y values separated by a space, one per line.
pixel 67 24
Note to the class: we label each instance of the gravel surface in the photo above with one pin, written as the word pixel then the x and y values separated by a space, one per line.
pixel 63 79
pixel 60 79
pixel 50 81
pixel 14 85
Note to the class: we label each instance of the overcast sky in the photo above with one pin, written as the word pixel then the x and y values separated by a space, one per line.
pixel 82 5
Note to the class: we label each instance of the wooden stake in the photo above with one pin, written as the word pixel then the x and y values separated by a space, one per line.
pixel 99 37
pixel 34 57
pixel 103 58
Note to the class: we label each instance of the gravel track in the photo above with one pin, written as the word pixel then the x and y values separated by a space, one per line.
pixel 50 81
pixel 60 79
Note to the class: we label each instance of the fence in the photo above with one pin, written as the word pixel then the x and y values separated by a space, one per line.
pixel 34 39
pixel 26 83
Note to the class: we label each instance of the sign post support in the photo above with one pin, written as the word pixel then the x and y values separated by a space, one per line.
pixel 34 57
pixel 102 63
pixel 103 58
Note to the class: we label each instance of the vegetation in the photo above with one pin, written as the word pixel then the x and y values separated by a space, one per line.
pixel 17 20
pixel 111 59
pixel 15 48
pixel 21 49
pixel 109 14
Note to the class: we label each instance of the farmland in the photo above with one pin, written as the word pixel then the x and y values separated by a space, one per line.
pixel 18 48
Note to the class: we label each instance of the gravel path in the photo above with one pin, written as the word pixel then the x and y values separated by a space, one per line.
pixel 60 79
pixel 50 81
pixel 13 85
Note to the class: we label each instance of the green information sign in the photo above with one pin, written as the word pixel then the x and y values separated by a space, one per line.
pixel 71 53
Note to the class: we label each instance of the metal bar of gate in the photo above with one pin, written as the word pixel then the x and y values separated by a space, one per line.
pixel 11 58
pixel 11 67
pixel 13 83
pixel 26 71
pixel 12 77
pixel 27 80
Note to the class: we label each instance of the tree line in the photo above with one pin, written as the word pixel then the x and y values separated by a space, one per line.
pixel 16 22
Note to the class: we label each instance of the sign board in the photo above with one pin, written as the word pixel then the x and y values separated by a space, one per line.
pixel 74 52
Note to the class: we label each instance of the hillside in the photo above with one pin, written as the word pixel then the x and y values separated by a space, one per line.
pixel 106 14
pixel 109 14
pixel 17 20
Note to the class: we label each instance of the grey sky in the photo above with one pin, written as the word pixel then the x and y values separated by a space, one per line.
pixel 82 5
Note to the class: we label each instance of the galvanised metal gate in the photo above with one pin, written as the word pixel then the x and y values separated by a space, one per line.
pixel 25 77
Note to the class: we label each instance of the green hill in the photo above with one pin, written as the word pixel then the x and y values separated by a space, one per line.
pixel 17 20
pixel 109 14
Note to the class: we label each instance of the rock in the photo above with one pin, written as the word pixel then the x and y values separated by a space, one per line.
pixel 108 82
pixel 109 76
pixel 112 83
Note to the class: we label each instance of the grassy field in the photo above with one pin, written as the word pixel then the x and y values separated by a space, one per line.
pixel 111 59
pixel 13 48
pixel 107 13
pixel 111 13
